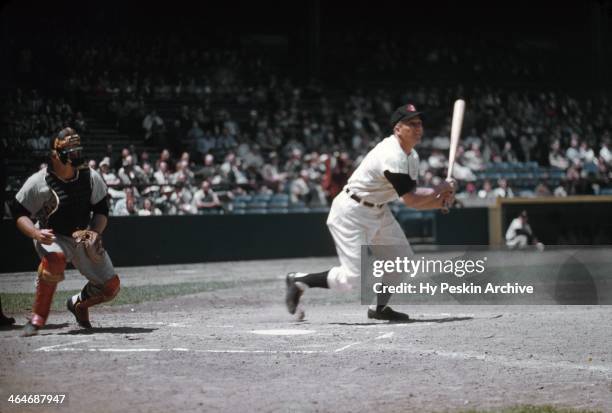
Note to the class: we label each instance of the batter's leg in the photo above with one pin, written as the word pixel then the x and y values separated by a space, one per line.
pixel 389 243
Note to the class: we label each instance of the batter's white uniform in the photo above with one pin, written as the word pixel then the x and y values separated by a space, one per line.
pixel 353 224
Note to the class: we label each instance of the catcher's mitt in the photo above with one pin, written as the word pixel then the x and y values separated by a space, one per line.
pixel 91 241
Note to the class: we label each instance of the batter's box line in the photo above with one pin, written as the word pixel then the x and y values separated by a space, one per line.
pixel 65 348
pixel 380 337
pixel 59 346
pixel 183 350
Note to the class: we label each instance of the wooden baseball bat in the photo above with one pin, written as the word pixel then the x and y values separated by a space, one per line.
pixel 456 124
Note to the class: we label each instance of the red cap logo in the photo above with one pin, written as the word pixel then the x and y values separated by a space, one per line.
pixel 410 108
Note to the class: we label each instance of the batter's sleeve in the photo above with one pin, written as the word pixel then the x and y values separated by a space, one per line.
pixel 402 183
pixel 401 171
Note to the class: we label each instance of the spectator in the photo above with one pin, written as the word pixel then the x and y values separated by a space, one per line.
pixel 130 174
pixel 473 158
pixel 300 188
pixel 208 169
pixel 180 200
pixel 573 153
pixel 162 174
pixel 153 125
pixel 486 192
pixel 126 206
pixel 556 158
pixel 205 199
pixel 148 209
pixel 503 190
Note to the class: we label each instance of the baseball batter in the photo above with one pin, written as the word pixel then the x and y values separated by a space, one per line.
pixel 360 215
pixel 62 199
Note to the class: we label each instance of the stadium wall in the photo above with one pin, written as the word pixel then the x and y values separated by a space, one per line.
pixel 135 241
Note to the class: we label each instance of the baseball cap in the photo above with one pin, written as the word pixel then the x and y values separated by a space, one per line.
pixel 105 161
pixel 404 112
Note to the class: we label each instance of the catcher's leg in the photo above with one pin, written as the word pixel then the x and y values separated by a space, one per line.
pixel 50 273
pixel 91 295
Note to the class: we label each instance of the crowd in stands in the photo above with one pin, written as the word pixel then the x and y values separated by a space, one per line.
pixel 30 118
pixel 227 132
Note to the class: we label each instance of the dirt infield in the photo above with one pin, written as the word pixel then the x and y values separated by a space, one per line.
pixel 236 349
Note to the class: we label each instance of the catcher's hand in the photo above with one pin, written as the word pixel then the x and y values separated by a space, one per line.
pixel 91 241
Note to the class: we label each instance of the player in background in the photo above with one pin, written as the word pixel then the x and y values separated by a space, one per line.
pixel 360 215
pixel 519 234
pixel 62 198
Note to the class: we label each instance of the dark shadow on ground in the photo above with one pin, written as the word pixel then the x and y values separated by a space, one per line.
pixel 419 320
pixel 42 330
pixel 108 330
pixel 11 327
pixel 54 326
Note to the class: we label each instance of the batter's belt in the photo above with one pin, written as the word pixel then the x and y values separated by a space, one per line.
pixel 361 201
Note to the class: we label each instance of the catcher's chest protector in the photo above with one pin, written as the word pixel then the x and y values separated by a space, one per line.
pixel 73 207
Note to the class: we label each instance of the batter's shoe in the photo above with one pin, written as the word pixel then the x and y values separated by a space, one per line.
pixel 29 330
pixel 81 314
pixel 293 294
pixel 388 314
pixel 6 321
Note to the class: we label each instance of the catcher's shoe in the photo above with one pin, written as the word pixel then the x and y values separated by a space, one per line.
pixel 81 314
pixel 293 294
pixel 29 330
pixel 388 314
pixel 6 321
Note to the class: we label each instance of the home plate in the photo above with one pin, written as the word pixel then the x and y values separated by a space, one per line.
pixel 279 332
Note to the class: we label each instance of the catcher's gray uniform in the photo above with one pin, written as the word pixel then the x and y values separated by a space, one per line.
pixel 41 195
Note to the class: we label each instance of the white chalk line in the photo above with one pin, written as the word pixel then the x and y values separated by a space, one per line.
pixel 501 360
pixel 183 350
pixel 509 362
pixel 65 348
pixel 386 335
pixel 380 337
pixel 338 350
pixel 160 323
pixel 57 346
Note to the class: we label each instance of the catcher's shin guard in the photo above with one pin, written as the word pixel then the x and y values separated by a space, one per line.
pixel 91 295
pixel 50 272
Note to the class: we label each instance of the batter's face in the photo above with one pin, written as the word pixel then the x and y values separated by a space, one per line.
pixel 409 132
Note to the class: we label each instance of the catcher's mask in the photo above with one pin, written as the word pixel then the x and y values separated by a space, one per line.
pixel 67 144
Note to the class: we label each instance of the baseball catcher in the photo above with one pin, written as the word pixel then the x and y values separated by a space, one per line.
pixel 64 209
